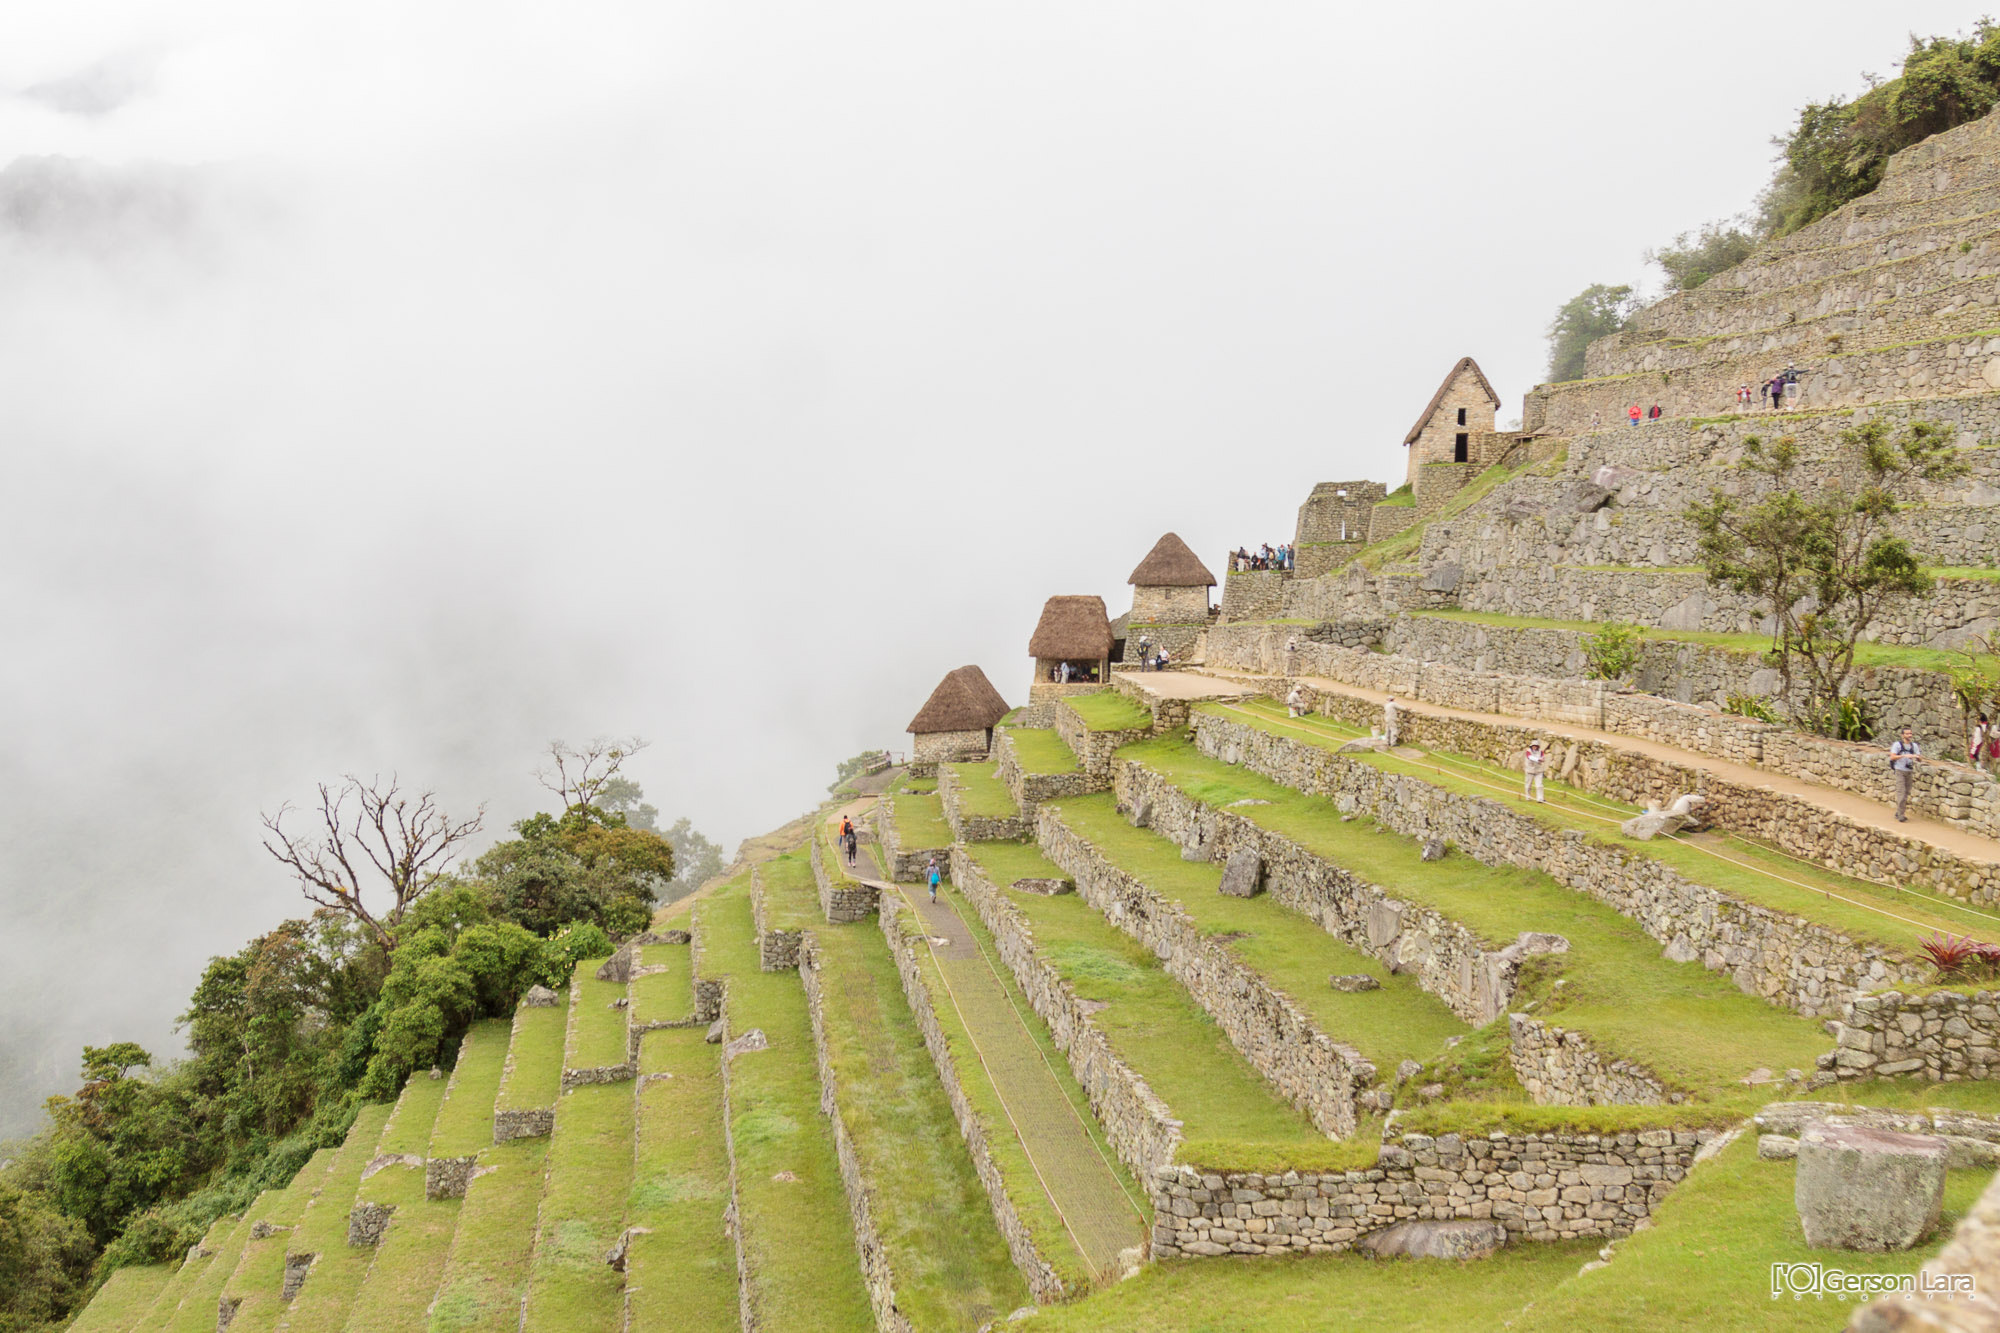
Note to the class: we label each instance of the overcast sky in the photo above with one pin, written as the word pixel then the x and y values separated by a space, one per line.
pixel 398 385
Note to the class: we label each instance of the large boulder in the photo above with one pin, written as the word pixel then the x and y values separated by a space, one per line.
pixel 1243 874
pixel 618 967
pixel 1654 823
pixel 1868 1189
pixel 1458 1239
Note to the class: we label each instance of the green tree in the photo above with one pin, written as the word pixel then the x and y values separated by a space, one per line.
pixel 852 767
pixel 45 1260
pixel 1595 312
pixel 696 860
pixel 1823 560
pixel 1613 652
pixel 585 865
pixel 1694 258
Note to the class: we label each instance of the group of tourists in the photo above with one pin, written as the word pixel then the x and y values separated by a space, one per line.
pixel 1150 660
pixel 1634 414
pixel 1266 556
pixel 850 842
pixel 1777 393
pixel 1069 673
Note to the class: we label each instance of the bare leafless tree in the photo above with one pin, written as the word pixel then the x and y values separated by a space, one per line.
pixel 580 773
pixel 404 838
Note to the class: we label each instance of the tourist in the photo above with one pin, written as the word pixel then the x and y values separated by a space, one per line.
pixel 1775 392
pixel 1653 413
pixel 1389 711
pixel 1532 764
pixel 1160 662
pixel 1296 702
pixel 1632 414
pixel 932 875
pixel 1597 421
pixel 1743 399
pixel 1979 753
pixel 1903 759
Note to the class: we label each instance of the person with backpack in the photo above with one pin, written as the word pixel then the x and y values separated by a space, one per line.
pixel 933 876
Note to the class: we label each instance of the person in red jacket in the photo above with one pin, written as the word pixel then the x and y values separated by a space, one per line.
pixel 1632 414
pixel 1655 413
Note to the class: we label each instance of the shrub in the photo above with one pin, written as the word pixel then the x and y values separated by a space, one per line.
pixel 1613 652
pixel 1747 705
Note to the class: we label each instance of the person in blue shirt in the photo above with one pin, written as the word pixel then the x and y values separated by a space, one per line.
pixel 934 878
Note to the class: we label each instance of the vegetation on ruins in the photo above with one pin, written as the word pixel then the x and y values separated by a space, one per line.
pixel 1613 652
pixel 1695 257
pixel 1598 311
pixel 1747 705
pixel 852 767
pixel 1825 562
pixel 1960 957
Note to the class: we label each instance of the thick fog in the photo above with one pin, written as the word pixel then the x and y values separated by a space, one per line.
pixel 399 386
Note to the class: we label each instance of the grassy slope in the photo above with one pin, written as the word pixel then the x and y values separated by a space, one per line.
pixel 951 1266
pixel 1688 1025
pixel 682 1275
pixel 1224 1106
pixel 534 1058
pixel 258 1282
pixel 1031 1202
pixel 410 1260
pixel 1396 1023
pixel 1597 817
pixel 1040 750
pixel 984 793
pixel 570 1286
pixel 791 897
pixel 186 1273
pixel 597 1034
pixel 1110 711
pixel 125 1296
pixel 662 997
pixel 321 1305
pixel 794 1231
pixel 920 820
pixel 197 1308
pixel 486 1272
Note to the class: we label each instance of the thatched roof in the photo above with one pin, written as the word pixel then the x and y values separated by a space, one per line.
pixel 963 701
pixel 1072 628
pixel 1465 363
pixel 1170 564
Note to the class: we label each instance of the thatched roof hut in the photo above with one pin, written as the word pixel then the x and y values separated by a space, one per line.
pixel 1073 629
pixel 1171 564
pixel 963 701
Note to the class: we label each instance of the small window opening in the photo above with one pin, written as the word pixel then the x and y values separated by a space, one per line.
pixel 1461 416
pixel 1461 447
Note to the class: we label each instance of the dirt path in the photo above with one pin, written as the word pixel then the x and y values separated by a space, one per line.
pixel 1861 809
pixel 1087 1193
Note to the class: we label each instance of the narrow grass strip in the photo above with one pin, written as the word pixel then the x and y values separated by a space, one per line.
pixel 952 1269
pixel 258 1284
pixel 1154 1026
pixel 798 1244
pixel 534 1058
pixel 186 1274
pixel 1400 1021
pixel 465 1121
pixel 571 1289
pixel 396 1295
pixel 486 1273
pixel 124 1299
pixel 1040 750
pixel 982 793
pixel 791 895
pixel 920 820
pixel 337 1273
pixel 1109 711
pixel 681 1274
pixel 197 1309
pixel 665 996
pixel 597 1021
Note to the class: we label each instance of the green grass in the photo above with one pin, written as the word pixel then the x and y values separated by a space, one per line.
pixel 682 1275
pixel 259 1279
pixel 1405 543
pixel 920 820
pixel 983 794
pixel 1752 871
pixel 1110 711
pixel 1335 1293
pixel 797 1240
pixel 570 1287
pixel 662 997
pixel 465 1121
pixel 1396 1023
pixel 951 1265
pixel 919 786
pixel 791 895
pixel 597 1029
pixel 410 1260
pixel 1130 1209
pixel 1984 573
pixel 200 1296
pixel 1691 1027
pixel 1041 751
pixel 1229 1116
pixel 126 1295
pixel 486 1273
pixel 535 1058
pixel 1706 1260
pixel 322 1303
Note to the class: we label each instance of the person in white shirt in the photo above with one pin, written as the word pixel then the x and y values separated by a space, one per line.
pixel 1533 763
pixel 1979 753
pixel 1389 720
pixel 1903 759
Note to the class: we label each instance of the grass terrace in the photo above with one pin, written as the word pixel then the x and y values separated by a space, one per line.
pixel 322 1304
pixel 791 895
pixel 793 1226
pixel 411 1258
pixel 203 1293
pixel 1040 750
pixel 1691 1027
pixel 260 1274
pixel 920 820
pixel 1229 1115
pixel 1399 1022
pixel 918 786
pixel 982 793
pixel 597 1028
pixel 465 1121
pixel 952 1268
pixel 486 1272
pixel 1110 711
pixel 534 1059
pixel 125 1296
pixel 681 1274
pixel 662 997
pixel 570 1287
pixel 1752 871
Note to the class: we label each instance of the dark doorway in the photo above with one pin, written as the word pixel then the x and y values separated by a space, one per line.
pixel 1461 447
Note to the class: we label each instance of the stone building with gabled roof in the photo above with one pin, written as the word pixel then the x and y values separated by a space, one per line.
pixel 1454 436
pixel 1074 630
pixel 1169 603
pixel 956 723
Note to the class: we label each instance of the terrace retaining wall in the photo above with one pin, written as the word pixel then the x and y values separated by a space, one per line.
pixel 1559 1067
pixel 1029 790
pixel 1317 1074
pixel 840 899
pixel 1944 1036
pixel 969 827
pixel 777 950
pixel 903 864
pixel 1788 960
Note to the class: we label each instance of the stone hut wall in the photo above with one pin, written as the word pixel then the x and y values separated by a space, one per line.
pixel 1558 1067
pixel 1537 1186
pixel 1169 606
pixel 1040 1274
pixel 1307 1067
pixel 1437 442
pixel 1337 512
pixel 1944 1036
pixel 1386 520
pixel 840 899
pixel 1136 1123
pixel 931 748
pixel 1784 959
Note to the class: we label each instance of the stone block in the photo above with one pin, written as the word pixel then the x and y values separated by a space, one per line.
pixel 539 997
pixel 1458 1239
pixel 1777 1147
pixel 1359 981
pixel 1243 874
pixel 1868 1189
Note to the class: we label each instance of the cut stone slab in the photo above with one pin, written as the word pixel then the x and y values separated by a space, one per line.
pixel 1243 874
pixel 1458 1239
pixel 1654 823
pixel 753 1040
pixel 1434 850
pixel 1048 888
pixel 1868 1189
pixel 1358 981
pixel 618 967
pixel 1777 1147
pixel 539 997
pixel 715 1031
